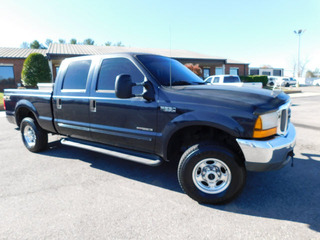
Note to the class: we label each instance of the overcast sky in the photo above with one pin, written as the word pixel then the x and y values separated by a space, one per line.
pixel 257 32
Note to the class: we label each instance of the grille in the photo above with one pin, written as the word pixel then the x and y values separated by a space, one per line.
pixel 284 117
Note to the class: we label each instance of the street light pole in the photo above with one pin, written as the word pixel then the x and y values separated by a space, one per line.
pixel 299 32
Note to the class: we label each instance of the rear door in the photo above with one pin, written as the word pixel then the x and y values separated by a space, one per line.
pixel 126 123
pixel 71 98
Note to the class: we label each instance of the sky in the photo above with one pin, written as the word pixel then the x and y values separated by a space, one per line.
pixel 256 32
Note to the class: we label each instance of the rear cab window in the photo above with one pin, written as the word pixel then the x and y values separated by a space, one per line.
pixel 231 79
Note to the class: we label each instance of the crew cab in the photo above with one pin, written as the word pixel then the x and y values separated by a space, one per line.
pixel 233 80
pixel 151 109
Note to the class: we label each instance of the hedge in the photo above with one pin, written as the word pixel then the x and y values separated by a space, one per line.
pixel 35 70
pixel 255 78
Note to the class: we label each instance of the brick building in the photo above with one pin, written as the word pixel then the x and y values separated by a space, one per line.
pixel 11 63
pixel 11 60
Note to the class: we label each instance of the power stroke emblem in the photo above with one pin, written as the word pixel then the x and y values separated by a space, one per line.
pixel 168 109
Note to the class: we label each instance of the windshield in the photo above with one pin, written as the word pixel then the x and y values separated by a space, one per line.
pixel 231 79
pixel 160 67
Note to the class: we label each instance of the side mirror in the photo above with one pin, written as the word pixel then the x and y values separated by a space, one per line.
pixel 123 86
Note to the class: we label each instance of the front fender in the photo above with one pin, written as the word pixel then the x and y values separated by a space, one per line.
pixel 215 120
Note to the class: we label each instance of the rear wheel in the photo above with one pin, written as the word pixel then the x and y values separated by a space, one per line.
pixel 211 174
pixel 33 136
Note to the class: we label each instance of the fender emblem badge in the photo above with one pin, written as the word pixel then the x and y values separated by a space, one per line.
pixel 168 109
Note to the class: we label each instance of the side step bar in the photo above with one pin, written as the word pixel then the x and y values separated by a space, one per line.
pixel 144 158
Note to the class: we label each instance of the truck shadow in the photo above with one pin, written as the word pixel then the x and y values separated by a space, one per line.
pixel 290 194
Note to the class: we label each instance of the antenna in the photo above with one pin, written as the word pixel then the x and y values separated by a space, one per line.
pixel 170 56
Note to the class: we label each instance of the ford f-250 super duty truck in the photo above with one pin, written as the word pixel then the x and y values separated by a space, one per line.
pixel 149 109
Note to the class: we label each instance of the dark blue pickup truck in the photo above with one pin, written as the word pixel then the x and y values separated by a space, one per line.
pixel 150 109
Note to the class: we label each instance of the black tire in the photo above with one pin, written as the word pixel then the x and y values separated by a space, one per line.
pixel 222 162
pixel 287 85
pixel 33 136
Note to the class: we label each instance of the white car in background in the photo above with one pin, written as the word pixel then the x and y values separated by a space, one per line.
pixel 281 81
pixel 232 80
pixel 316 82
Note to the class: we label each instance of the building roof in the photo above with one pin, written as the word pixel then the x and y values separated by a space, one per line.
pixel 76 49
pixel 231 61
pixel 19 52
pixel 62 50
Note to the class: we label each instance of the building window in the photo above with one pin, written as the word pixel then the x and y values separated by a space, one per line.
pixel 206 72
pixel 254 71
pixel 6 77
pixel 234 71
pixel 265 73
pixel 219 71
pixel 277 73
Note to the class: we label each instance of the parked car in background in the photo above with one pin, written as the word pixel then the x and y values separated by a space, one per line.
pixel 281 81
pixel 233 80
pixel 272 80
pixel 292 81
pixel 316 82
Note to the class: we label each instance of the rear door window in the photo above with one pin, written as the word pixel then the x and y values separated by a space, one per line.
pixel 77 75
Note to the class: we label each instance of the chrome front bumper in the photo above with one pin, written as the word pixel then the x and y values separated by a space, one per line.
pixel 265 155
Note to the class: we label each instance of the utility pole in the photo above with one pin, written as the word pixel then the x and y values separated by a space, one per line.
pixel 299 33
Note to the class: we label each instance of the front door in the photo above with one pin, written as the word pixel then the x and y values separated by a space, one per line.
pixel 126 123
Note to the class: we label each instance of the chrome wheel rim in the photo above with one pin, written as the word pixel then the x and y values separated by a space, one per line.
pixel 29 136
pixel 211 176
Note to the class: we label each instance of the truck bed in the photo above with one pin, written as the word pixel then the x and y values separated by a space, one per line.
pixel 38 100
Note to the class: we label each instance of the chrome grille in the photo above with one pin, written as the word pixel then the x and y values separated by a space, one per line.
pixel 283 119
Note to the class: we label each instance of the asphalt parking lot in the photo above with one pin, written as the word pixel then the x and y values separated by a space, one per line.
pixel 68 193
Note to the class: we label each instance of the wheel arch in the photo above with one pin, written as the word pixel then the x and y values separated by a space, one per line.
pixel 25 109
pixel 190 134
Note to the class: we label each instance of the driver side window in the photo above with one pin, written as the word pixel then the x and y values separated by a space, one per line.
pixel 112 67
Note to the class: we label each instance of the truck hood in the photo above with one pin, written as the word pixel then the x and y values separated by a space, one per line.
pixel 241 98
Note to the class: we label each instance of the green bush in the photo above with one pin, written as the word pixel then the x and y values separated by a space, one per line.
pixel 255 78
pixel 35 70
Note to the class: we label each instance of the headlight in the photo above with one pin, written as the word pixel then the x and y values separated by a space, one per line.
pixel 266 125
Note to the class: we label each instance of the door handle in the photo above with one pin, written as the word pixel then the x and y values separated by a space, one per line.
pixel 59 103
pixel 93 105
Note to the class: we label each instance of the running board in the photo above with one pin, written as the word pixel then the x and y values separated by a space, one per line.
pixel 144 158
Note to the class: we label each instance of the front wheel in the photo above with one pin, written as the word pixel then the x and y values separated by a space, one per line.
pixel 33 136
pixel 211 174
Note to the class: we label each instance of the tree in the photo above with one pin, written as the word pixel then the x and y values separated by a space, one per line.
pixel 73 41
pixel 300 69
pixel 88 41
pixel 35 45
pixel 35 70
pixel 48 42
pixel 194 68
pixel 25 45
pixel 62 41
pixel 309 74
pixel 119 44
pixel 108 43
